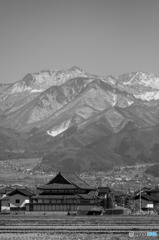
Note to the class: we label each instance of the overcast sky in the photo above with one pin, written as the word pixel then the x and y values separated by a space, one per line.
pixel 102 37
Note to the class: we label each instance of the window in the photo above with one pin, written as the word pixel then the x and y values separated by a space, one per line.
pixel 17 201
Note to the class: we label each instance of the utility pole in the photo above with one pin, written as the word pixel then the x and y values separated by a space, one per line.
pixel 140 177
pixel 140 197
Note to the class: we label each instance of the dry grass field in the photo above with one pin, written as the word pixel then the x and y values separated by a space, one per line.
pixel 62 227
pixel 45 236
pixel 39 236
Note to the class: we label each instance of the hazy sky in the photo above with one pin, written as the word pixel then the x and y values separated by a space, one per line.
pixel 101 36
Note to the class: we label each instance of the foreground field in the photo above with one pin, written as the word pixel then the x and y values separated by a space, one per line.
pixel 62 227
pixel 37 236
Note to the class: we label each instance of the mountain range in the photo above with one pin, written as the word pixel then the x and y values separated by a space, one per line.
pixel 81 122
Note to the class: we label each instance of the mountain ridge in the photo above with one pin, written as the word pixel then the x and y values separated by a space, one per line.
pixel 73 118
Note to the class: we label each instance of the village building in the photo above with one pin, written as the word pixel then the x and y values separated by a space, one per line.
pixel 15 200
pixel 149 199
pixel 65 192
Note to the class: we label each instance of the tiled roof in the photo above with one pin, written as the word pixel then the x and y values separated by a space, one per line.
pixel 65 180
pixel 24 192
pixel 56 186
pixel 146 194
pixel 146 197
pixel 90 195
pixel 74 179
pixel 55 197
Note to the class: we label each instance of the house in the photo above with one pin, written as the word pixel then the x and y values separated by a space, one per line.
pixel 146 201
pixel 15 199
pixel 149 199
pixel 154 195
pixel 65 192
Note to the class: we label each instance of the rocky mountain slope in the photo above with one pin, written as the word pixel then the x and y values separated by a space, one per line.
pixel 78 121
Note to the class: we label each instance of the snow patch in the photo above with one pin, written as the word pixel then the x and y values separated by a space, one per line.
pixel 148 96
pixel 17 88
pixel 143 79
pixel 36 90
pixel 130 102
pixel 59 129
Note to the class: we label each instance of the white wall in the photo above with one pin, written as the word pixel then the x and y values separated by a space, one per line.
pixel 23 200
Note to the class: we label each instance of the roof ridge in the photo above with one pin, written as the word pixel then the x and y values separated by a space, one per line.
pixel 59 173
pixel 23 191
pixel 82 180
pixel 74 173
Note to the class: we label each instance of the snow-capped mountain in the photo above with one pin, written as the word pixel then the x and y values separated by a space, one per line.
pixel 40 81
pixel 80 120
pixel 143 86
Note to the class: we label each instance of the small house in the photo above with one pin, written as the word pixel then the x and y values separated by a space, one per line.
pixel 149 199
pixel 16 199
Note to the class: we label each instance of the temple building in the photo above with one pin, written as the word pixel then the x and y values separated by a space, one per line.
pixel 65 192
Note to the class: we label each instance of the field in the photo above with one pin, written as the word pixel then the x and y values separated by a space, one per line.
pixel 37 236
pixel 62 227
pixel 20 172
pixel 24 172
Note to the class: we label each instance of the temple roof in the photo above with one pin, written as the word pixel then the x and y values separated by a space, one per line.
pixel 76 180
pixel 56 197
pixel 66 180
pixel 57 186
pixel 90 195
